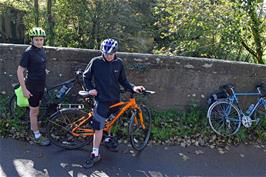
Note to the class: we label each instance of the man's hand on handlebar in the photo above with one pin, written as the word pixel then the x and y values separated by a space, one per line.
pixel 138 89
pixel 93 92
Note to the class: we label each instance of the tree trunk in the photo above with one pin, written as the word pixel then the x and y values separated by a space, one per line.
pixel 36 12
pixel 255 25
pixel 50 24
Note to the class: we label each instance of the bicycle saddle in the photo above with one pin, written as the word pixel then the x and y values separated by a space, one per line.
pixel 260 85
pixel 227 86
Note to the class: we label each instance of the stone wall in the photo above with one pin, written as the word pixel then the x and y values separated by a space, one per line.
pixel 178 81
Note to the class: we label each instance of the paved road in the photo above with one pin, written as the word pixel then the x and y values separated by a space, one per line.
pixel 22 159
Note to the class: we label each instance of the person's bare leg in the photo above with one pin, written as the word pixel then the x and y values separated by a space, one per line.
pixel 97 138
pixel 95 156
pixel 34 112
pixel 43 141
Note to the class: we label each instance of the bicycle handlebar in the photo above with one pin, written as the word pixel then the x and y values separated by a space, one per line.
pixel 259 87
pixel 145 92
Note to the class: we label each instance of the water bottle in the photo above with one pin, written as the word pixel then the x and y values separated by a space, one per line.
pixel 250 108
pixel 61 92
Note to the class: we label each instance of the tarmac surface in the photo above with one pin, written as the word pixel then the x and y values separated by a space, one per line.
pixel 22 159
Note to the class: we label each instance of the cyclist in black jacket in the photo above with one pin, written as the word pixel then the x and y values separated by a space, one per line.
pixel 34 61
pixel 107 72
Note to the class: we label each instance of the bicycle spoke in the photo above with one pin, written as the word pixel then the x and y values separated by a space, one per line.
pixel 259 114
pixel 224 118
pixel 139 135
pixel 60 129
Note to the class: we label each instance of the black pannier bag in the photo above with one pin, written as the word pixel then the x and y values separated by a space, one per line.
pixel 216 96
pixel 224 93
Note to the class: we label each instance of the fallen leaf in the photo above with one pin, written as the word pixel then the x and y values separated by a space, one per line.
pixel 183 156
pixel 198 152
pixel 221 151
pixel 183 144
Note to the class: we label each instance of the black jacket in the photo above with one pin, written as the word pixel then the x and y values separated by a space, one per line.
pixel 106 76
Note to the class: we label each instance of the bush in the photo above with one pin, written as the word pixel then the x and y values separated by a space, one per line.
pixel 168 127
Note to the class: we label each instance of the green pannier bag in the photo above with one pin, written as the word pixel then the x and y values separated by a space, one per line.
pixel 21 100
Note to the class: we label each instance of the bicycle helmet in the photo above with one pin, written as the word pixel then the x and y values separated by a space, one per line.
pixel 37 32
pixel 109 46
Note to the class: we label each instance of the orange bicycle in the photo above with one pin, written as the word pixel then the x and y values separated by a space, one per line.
pixel 70 128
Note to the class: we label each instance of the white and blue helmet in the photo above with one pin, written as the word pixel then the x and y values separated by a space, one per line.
pixel 109 46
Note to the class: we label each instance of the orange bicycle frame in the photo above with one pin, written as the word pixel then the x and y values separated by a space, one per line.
pixel 131 104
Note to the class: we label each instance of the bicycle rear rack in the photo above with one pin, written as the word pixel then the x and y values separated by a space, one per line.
pixel 77 106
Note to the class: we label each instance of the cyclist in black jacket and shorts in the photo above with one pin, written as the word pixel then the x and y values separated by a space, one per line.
pixel 107 72
pixel 34 61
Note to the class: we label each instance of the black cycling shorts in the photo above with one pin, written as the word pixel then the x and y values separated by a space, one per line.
pixel 37 91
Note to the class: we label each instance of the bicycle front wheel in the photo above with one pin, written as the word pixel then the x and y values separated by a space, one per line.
pixel 259 114
pixel 224 118
pixel 140 130
pixel 59 129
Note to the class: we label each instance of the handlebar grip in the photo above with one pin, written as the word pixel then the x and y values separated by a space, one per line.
pixel 149 92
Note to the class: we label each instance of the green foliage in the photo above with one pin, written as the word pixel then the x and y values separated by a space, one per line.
pixel 3 107
pixel 241 135
pixel 86 23
pixel 120 128
pixel 8 127
pixel 216 29
pixel 13 127
pixel 166 125
pixel 169 124
pixel 231 30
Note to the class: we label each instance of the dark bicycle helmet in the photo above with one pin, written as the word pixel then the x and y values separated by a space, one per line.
pixel 109 46
pixel 37 32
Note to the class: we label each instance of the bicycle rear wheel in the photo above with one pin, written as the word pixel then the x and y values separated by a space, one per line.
pixel 22 113
pixel 139 134
pixel 59 129
pixel 224 118
pixel 15 111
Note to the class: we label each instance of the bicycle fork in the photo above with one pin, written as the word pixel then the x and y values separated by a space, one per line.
pixel 135 115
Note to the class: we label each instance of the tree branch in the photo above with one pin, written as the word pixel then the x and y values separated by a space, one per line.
pixel 249 49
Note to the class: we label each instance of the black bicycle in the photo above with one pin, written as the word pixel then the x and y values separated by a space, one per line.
pixel 54 98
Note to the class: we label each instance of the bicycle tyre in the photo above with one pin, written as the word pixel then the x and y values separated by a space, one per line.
pixel 221 122
pixel 15 111
pixel 22 113
pixel 139 136
pixel 259 114
pixel 59 129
